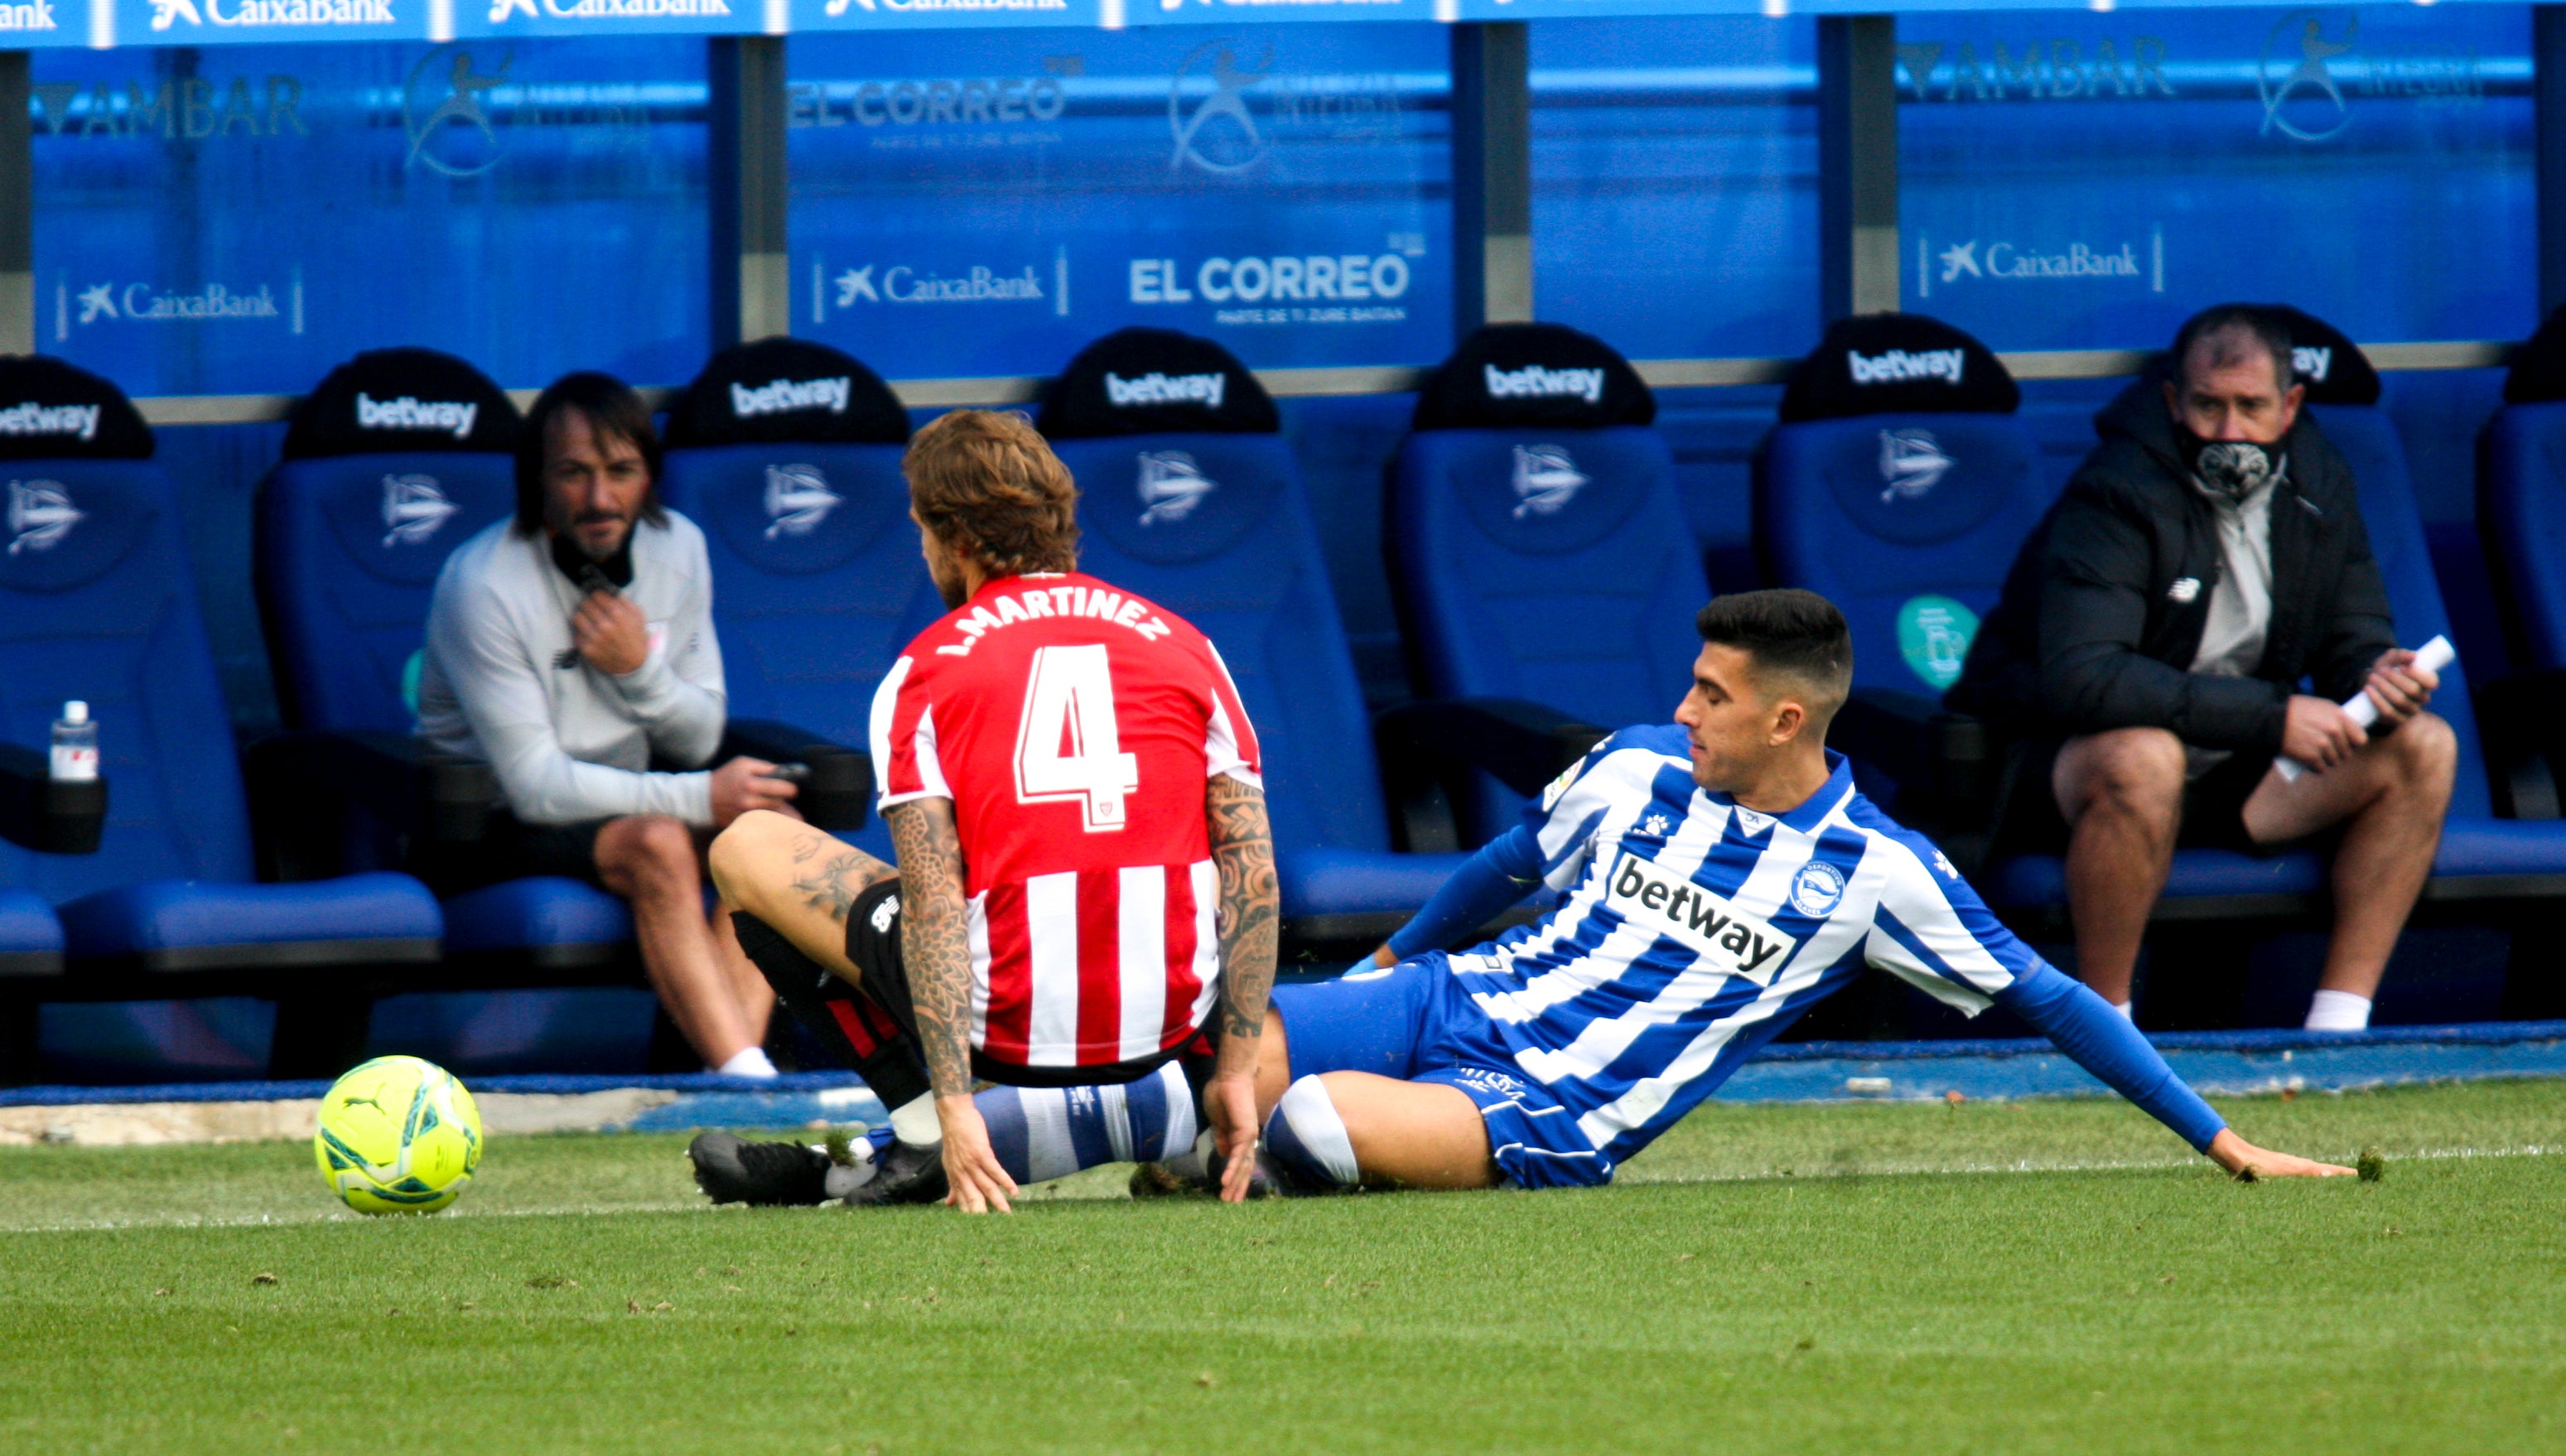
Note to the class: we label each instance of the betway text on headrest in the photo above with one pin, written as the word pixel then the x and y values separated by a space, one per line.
pixel 409 414
pixel 1157 389
pixel 784 397
pixel 1532 382
pixel 1898 365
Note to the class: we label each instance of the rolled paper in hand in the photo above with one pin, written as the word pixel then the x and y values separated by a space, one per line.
pixel 2434 654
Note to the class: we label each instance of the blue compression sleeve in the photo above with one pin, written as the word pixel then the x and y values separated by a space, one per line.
pixel 1496 878
pixel 2104 1043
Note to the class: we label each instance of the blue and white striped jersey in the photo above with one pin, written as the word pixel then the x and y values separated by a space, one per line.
pixel 1691 930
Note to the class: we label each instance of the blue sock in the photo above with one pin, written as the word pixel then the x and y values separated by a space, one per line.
pixel 1041 1133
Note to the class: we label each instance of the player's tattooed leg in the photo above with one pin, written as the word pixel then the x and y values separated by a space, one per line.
pixel 829 873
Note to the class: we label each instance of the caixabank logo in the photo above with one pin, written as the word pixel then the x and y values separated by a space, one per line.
pixel 114 302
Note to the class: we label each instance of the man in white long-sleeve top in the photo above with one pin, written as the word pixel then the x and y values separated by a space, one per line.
pixel 569 648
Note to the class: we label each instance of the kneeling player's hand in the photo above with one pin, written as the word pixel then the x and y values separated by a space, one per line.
pixel 976 1181
pixel 1230 1098
pixel 2239 1157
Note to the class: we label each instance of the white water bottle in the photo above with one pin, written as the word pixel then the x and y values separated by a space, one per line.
pixel 75 744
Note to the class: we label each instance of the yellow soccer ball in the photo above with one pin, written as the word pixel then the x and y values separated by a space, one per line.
pixel 398 1135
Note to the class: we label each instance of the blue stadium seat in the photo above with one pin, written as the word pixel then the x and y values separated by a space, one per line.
pixel 353 527
pixel 31 936
pixel 1201 509
pixel 1908 519
pixel 818 580
pixel 1541 549
pixel 96 602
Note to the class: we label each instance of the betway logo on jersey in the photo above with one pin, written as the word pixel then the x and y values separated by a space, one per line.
pixel 1532 382
pixel 50 420
pixel 1007 609
pixel 1729 938
pixel 453 416
pixel 1157 389
pixel 785 396
pixel 1897 367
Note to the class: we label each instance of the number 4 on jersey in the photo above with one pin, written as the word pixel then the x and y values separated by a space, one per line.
pixel 1068 700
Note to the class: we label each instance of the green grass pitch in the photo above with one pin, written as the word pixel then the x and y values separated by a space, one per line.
pixel 1987 1278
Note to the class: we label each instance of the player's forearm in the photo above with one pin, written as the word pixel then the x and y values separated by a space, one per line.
pixel 2103 1042
pixel 1493 880
pixel 1248 915
pixel 935 940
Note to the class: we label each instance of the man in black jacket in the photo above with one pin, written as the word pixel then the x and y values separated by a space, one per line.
pixel 2151 642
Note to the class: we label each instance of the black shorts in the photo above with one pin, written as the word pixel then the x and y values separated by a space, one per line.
pixel 511 849
pixel 873 945
pixel 2213 805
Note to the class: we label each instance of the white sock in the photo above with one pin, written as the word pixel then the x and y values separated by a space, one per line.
pixel 916 1123
pixel 752 1062
pixel 1307 1130
pixel 2128 1014
pixel 2339 1011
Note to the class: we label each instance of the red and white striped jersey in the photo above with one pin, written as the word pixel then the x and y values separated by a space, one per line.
pixel 1073 727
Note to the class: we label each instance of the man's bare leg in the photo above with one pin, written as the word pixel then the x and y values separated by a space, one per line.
pixel 2121 794
pixel 749 991
pixel 649 860
pixel 1418 1134
pixel 2394 790
pixel 800 880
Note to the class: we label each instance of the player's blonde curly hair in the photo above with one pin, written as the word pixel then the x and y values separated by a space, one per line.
pixel 984 482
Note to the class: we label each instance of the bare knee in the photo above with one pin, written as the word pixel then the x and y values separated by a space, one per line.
pixel 2129 772
pixel 648 854
pixel 2426 752
pixel 754 839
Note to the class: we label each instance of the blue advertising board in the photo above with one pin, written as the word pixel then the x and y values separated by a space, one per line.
pixel 1674 173
pixel 102 24
pixel 2073 180
pixel 238 219
pixel 984 205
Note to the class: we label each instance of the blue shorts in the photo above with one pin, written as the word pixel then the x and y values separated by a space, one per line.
pixel 1413 1023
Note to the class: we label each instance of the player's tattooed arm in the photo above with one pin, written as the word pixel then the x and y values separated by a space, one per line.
pixel 1250 910
pixel 934 938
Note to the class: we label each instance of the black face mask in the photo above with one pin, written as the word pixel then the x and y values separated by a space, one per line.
pixel 2230 470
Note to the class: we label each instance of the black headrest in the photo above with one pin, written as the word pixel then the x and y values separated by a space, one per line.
pixel 786 389
pixel 49 410
pixel 1897 364
pixel 388 401
pixel 2539 367
pixel 1153 381
pixel 1545 375
pixel 2331 365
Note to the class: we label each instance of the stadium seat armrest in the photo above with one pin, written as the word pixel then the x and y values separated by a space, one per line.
pixel 439 796
pixel 1523 745
pixel 2522 724
pixel 37 811
pixel 839 791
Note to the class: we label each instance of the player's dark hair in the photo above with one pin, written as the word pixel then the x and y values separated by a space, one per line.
pixel 2236 332
pixel 985 481
pixel 1787 630
pixel 612 410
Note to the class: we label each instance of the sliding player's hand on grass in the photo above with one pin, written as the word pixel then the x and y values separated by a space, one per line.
pixel 1230 1098
pixel 2246 1162
pixel 972 1169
